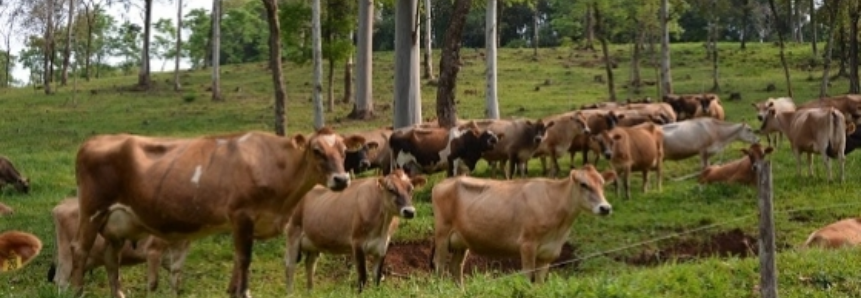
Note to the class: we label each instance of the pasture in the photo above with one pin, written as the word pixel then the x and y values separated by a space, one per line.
pixel 686 241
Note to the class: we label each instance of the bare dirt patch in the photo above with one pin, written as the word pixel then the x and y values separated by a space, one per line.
pixel 728 243
pixel 405 258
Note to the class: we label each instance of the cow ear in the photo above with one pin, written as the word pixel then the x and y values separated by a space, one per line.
pixel 381 183
pixel 609 176
pixel 500 136
pixel 372 145
pixel 617 137
pixel 354 141
pixel 299 140
pixel 529 122
pixel 769 150
pixel 754 105
pixel 549 124
pixel 418 181
pixel 620 116
pixel 745 151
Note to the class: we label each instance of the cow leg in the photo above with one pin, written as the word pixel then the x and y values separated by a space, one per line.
pixel 177 252
pixel 440 249
pixel 797 154
pixel 379 261
pixel 841 158
pixel 554 163
pixel 542 267
pixel 645 180
pixel 527 260
pixel 827 162
pixel 81 247
pixel 585 152
pixel 543 160
pixel 810 164
pixel 310 268
pixel 153 260
pixel 627 181
pixel 458 258
pixel 704 159
pixel 659 173
pixel 113 248
pixel 243 240
pixel 291 254
pixel 361 265
pixel 512 163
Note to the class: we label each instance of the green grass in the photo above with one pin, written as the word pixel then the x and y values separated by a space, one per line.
pixel 41 134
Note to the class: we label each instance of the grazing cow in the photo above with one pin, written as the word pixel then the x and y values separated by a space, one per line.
pixel 813 130
pixel 149 249
pixel 559 137
pixel 844 233
pixel 848 104
pixel 437 149
pixel 529 218
pixel 703 136
pixel 780 104
pixel 709 107
pixel 637 148
pixel 5 210
pixel 17 249
pixel 359 220
pixel 685 105
pixel 9 175
pixel 177 189
pixel 522 139
pixel 739 171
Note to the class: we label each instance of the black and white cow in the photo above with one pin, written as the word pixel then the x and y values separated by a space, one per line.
pixel 436 149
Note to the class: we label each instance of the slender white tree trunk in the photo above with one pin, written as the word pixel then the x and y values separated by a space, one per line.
pixel 364 107
pixel 492 102
pixel 49 47
pixel 427 40
pixel 176 84
pixel 408 98
pixel 319 120
pixel 216 50
pixel 666 75
pixel 67 49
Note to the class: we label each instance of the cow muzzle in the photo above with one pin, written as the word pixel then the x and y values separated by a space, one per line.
pixel 608 154
pixel 364 164
pixel 408 212
pixel 603 209
pixel 338 182
pixel 538 139
pixel 760 117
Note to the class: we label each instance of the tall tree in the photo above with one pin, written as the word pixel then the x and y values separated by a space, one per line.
pixel 536 14
pixel 589 27
pixel 216 50
pixel 777 22
pixel 8 28
pixel 428 55
pixel 854 15
pixel 319 120
pixel 275 65
pixel 713 36
pixel 48 47
pixel 666 75
pixel 176 83
pixel 834 23
pixel 491 101
pixel 144 75
pixel 601 30
pixel 813 34
pixel 445 106
pixel 364 105
pixel 67 48
pixel 408 98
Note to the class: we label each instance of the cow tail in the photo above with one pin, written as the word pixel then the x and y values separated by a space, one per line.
pixel 813 239
pixel 432 255
pixel 837 135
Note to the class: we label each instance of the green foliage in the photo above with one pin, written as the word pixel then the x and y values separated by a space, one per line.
pixel 295 19
pixel 198 22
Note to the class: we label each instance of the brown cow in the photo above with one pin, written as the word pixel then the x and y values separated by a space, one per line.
pixel 9 175
pixel 598 121
pixel 149 249
pixel 709 107
pixel 685 105
pixel 813 130
pixel 529 218
pixel 840 234
pixel 17 249
pixel 359 220
pixel 738 171
pixel 637 148
pixel 521 139
pixel 780 104
pixel 375 154
pixel 176 189
pixel 848 104
pixel 5 210
pixel 559 137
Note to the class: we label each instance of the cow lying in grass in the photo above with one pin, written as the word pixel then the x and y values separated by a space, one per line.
pixel 17 249
pixel 739 171
pixel 840 234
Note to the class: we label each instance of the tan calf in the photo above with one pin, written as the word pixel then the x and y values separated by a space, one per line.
pixel 359 220
pixel 813 130
pixel 17 249
pixel 780 104
pixel 598 121
pixel 637 148
pixel 709 107
pixel 530 218
pixel 152 250
pixel 559 138
pixel 840 234
pixel 740 171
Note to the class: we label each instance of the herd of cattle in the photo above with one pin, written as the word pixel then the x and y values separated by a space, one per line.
pixel 144 199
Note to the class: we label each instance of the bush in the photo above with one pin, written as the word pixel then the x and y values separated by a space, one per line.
pixel 517 44
pixel 189 97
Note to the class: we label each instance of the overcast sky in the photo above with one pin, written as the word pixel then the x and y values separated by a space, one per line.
pixel 161 9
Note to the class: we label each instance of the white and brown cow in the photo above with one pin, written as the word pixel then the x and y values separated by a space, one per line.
pixel 780 104
pixel 529 218
pixel 813 130
pixel 704 137
pixel 438 149
pixel 740 171
pixel 247 184
pixel 152 250
pixel 841 234
pixel 359 220
pixel 17 249
pixel 10 175
pixel 636 148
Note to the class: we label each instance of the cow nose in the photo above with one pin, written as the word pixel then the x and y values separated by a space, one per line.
pixel 538 139
pixel 587 130
pixel 408 212
pixel 608 154
pixel 760 117
pixel 339 182
pixel 364 164
pixel 605 209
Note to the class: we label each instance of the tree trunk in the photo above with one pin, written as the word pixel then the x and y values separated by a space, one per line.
pixel 535 16
pixel 176 84
pixel 275 65
pixel 745 23
pixel 48 47
pixel 491 101
pixel 590 28
pixel 854 14
pixel 782 54
pixel 143 76
pixel 636 55
pixel 91 20
pixel 829 47
pixel 348 80
pixel 67 49
pixel 608 65
pixel 216 50
pixel 797 21
pixel 449 65
pixel 666 75
pixel 330 90
pixel 408 97
pixel 428 55
pixel 713 36
pixel 8 70
pixel 317 56
pixel 813 30
pixel 364 107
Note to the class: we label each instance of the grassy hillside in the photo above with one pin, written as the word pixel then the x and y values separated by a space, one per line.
pixel 686 241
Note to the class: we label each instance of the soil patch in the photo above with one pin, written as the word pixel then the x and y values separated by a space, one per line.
pixel 730 243
pixel 404 258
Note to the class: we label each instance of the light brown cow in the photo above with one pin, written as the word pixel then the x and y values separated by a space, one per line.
pixel 598 121
pixel 780 104
pixel 522 137
pixel 10 175
pixel 840 234
pixel 709 107
pixel 813 130
pixel 17 249
pixel 529 218
pixel 176 189
pixel 359 220
pixel 636 148
pixel 5 210
pixel 559 137
pixel 740 171
pixel 686 105
pixel 150 249
pixel 848 104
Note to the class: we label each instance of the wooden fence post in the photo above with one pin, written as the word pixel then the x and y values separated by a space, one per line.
pixel 767 266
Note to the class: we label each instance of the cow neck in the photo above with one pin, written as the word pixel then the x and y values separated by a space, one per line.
pixel 308 172
pixel 568 206
pixel 372 210
pixel 784 121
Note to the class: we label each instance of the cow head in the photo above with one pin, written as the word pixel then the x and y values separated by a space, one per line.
pixel 705 102
pixel 590 184
pixel 756 154
pixel 22 184
pixel 747 134
pixel 610 119
pixel 399 189
pixel 580 121
pixel 327 150
pixel 356 159
pixel 606 141
pixel 762 108
pixel 538 130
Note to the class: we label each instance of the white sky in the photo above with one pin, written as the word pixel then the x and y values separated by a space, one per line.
pixel 161 9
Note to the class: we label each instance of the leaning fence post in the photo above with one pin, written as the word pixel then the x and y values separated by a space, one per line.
pixel 767 266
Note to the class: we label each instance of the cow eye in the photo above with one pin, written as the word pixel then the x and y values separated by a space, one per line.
pixel 319 152
pixel 584 185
